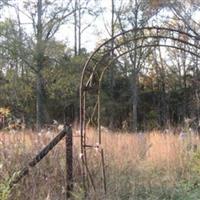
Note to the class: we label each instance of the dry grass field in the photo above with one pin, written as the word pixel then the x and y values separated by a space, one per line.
pixel 149 166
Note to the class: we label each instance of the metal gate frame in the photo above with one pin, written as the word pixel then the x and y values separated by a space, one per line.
pixel 103 58
pixel 90 86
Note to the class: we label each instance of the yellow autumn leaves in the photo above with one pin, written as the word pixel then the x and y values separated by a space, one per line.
pixel 4 112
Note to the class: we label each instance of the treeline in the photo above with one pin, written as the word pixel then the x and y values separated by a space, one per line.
pixel 40 75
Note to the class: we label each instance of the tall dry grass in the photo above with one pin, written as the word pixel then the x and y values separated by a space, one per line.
pixel 138 166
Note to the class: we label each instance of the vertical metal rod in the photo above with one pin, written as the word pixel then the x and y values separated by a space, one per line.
pixel 85 164
pixel 103 171
pixel 69 163
pixel 100 139
pixel 82 130
pixel 99 115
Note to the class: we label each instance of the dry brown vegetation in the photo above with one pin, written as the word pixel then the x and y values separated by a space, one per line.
pixel 138 166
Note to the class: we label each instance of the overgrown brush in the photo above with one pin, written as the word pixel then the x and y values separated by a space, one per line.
pixel 145 166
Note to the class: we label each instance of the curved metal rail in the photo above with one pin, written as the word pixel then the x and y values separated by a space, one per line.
pixel 102 58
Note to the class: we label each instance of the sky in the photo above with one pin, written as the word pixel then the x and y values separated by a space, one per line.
pixel 93 34
pixel 90 36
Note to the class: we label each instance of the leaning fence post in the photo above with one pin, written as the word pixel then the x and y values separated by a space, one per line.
pixel 69 163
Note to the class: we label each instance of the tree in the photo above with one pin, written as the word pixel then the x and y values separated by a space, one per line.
pixel 46 18
pixel 135 14
pixel 161 67
pixel 85 14
pixel 111 69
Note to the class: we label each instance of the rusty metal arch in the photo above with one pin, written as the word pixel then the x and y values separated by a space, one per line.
pixel 101 59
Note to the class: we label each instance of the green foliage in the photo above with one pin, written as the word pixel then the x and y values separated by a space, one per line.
pixel 62 84
pixel 4 190
pixel 167 91
pixel 195 164
pixel 188 189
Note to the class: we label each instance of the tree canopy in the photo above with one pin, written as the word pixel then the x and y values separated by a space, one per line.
pixel 147 88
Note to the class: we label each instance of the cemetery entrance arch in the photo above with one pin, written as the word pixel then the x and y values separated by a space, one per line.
pixel 100 60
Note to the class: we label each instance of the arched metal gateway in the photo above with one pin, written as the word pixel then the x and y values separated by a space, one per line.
pixel 100 60
pixel 90 93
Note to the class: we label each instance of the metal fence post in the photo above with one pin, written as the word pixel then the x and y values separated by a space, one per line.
pixel 69 163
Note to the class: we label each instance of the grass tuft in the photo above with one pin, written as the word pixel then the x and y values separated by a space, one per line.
pixel 145 166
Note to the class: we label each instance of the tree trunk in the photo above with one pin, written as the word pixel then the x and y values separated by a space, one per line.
pixel 75 28
pixel 134 101
pixel 197 90
pixel 111 72
pixel 185 93
pixel 79 27
pixel 163 110
pixel 163 103
pixel 39 102
pixel 39 66
pixel 135 63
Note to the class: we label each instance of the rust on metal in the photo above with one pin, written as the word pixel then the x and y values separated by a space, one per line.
pixel 100 60
pixel 25 170
pixel 69 163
